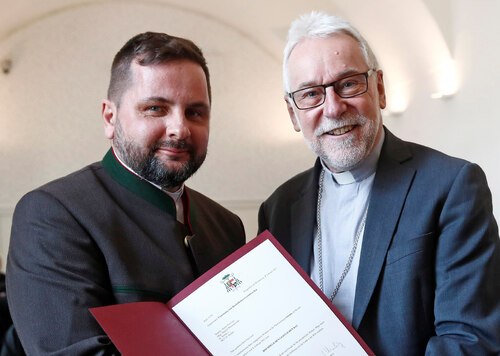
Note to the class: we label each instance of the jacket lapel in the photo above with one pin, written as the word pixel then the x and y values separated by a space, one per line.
pixel 303 220
pixel 390 188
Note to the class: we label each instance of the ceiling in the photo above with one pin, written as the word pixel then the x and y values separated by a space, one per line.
pixel 262 20
pixel 399 32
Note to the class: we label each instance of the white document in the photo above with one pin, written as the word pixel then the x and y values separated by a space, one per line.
pixel 261 305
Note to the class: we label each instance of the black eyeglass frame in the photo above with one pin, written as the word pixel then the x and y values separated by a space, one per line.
pixel 332 84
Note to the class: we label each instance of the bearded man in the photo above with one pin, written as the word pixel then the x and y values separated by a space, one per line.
pixel 125 229
pixel 399 236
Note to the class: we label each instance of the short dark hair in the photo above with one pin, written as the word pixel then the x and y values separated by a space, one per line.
pixel 151 48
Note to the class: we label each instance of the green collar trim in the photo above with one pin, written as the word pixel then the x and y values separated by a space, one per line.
pixel 137 185
pixel 144 293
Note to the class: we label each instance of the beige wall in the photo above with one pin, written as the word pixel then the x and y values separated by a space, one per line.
pixel 50 101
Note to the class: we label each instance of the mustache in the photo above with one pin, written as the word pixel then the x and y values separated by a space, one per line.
pixel 180 144
pixel 347 120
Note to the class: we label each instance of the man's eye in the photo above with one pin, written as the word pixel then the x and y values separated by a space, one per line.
pixel 155 110
pixel 349 84
pixel 192 113
pixel 311 93
pixel 196 113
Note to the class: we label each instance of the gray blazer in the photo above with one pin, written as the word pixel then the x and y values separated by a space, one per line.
pixel 103 236
pixel 429 274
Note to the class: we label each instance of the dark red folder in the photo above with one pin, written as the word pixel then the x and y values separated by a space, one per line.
pixel 153 328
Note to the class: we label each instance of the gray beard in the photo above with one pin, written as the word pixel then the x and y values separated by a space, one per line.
pixel 342 157
pixel 345 155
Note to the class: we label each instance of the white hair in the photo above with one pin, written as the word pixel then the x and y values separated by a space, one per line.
pixel 321 25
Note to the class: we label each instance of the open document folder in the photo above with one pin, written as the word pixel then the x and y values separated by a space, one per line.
pixel 257 301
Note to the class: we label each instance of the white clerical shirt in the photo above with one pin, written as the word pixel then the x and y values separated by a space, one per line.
pixel 344 202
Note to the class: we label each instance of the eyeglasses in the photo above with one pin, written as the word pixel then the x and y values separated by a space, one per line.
pixel 348 87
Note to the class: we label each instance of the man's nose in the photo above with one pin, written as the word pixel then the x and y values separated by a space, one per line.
pixel 177 125
pixel 334 105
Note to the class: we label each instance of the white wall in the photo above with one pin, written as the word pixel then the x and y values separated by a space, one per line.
pixel 50 102
pixel 467 124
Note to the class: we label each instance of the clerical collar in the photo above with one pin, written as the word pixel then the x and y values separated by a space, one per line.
pixel 174 195
pixel 362 171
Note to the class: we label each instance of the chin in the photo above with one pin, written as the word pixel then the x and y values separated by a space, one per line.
pixel 344 162
pixel 174 165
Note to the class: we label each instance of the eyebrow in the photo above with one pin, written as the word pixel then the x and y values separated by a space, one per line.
pixel 155 99
pixel 162 100
pixel 345 73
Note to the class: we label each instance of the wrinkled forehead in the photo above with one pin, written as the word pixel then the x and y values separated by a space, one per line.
pixel 319 60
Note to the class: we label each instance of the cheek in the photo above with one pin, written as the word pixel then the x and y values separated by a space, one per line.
pixel 308 124
pixel 152 132
pixel 308 134
pixel 369 107
pixel 199 136
pixel 146 134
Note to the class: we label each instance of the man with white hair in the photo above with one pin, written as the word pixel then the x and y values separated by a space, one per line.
pixel 400 237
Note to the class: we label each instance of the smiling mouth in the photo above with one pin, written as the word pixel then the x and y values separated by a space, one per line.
pixel 173 150
pixel 340 131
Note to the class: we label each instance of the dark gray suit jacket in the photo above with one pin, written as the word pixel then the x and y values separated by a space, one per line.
pixel 429 274
pixel 103 236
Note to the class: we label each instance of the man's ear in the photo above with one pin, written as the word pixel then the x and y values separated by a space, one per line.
pixel 292 115
pixel 381 89
pixel 109 116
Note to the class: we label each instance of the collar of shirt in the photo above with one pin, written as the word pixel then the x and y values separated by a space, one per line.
pixel 176 196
